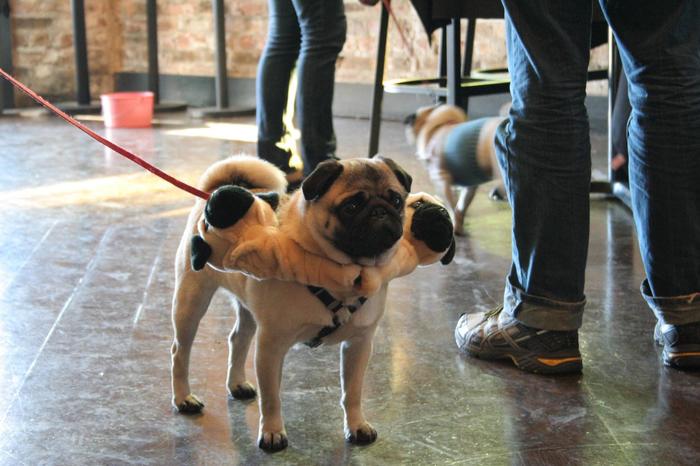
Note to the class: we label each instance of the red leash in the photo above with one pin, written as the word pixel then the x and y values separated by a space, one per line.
pixel 406 43
pixel 116 148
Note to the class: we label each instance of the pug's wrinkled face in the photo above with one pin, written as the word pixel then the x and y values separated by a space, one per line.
pixel 357 206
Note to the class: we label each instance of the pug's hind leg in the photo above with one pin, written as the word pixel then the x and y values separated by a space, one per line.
pixel 466 196
pixel 190 303
pixel 443 183
pixel 270 349
pixel 498 193
pixel 238 345
pixel 354 357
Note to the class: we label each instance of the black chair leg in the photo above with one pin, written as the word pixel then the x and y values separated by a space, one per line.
pixel 442 58
pixel 153 67
pixel 82 79
pixel 454 75
pixel 83 100
pixel 378 93
pixel 7 96
pixel 469 47
pixel 222 108
pixel 468 56
pixel 152 34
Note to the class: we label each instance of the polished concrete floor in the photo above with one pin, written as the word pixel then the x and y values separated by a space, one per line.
pixel 87 241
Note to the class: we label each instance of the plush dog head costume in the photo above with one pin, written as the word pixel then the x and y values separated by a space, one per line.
pixel 429 229
pixel 356 207
pixel 352 210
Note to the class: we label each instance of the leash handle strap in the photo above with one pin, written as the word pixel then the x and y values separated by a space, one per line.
pixel 115 147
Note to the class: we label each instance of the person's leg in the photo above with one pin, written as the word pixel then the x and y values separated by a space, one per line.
pixel 544 152
pixel 272 84
pixel 323 29
pixel 659 44
pixel 618 130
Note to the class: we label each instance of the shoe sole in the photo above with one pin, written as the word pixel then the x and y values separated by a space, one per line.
pixel 682 358
pixel 683 361
pixel 545 364
pixel 685 357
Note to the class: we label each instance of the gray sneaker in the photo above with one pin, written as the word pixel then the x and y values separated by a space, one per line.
pixel 494 335
pixel 681 345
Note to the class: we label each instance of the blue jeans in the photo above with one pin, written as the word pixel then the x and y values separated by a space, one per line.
pixel 309 34
pixel 544 153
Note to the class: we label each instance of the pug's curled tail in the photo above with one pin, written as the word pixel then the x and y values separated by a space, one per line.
pixel 247 171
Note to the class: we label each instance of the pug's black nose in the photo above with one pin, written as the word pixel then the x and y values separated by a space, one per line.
pixel 378 212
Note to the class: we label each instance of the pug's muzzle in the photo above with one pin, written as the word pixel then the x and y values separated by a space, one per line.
pixel 370 232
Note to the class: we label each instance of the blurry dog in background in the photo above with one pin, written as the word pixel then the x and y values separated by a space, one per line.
pixel 458 153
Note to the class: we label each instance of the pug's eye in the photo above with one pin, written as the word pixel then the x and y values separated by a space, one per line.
pixel 396 201
pixel 350 208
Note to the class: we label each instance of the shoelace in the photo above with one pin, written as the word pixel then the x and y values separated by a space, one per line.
pixel 493 312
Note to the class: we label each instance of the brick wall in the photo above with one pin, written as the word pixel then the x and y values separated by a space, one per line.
pixel 185 30
pixel 42 40
pixel 116 30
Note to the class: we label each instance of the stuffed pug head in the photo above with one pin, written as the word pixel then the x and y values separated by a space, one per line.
pixel 232 214
pixel 429 229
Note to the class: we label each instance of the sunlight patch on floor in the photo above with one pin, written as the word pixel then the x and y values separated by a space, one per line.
pixel 216 130
pixel 115 191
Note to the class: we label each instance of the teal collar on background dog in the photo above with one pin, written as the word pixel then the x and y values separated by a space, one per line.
pixel 335 307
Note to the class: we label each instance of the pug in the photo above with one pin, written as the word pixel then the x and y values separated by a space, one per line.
pixel 349 217
pixel 457 152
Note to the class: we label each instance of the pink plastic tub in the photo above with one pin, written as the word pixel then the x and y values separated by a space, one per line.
pixel 127 109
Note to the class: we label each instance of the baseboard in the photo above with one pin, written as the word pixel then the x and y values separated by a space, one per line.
pixel 196 91
pixel 350 100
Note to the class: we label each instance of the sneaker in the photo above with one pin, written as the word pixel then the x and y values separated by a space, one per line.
pixel 493 335
pixel 681 344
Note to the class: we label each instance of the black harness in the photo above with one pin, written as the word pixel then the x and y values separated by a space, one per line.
pixel 336 307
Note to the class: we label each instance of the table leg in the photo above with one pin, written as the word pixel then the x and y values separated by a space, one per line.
pixel 375 118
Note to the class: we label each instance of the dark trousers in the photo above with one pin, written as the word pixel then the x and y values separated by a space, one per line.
pixel 308 34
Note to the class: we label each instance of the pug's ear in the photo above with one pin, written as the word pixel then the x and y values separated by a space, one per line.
pixel 450 254
pixel 200 251
pixel 321 179
pixel 227 205
pixel 271 198
pixel 410 120
pixel 404 178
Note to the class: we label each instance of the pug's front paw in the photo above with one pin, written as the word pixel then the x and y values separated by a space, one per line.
pixel 272 441
pixel 243 391
pixel 432 225
pixel 190 405
pixel 364 434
